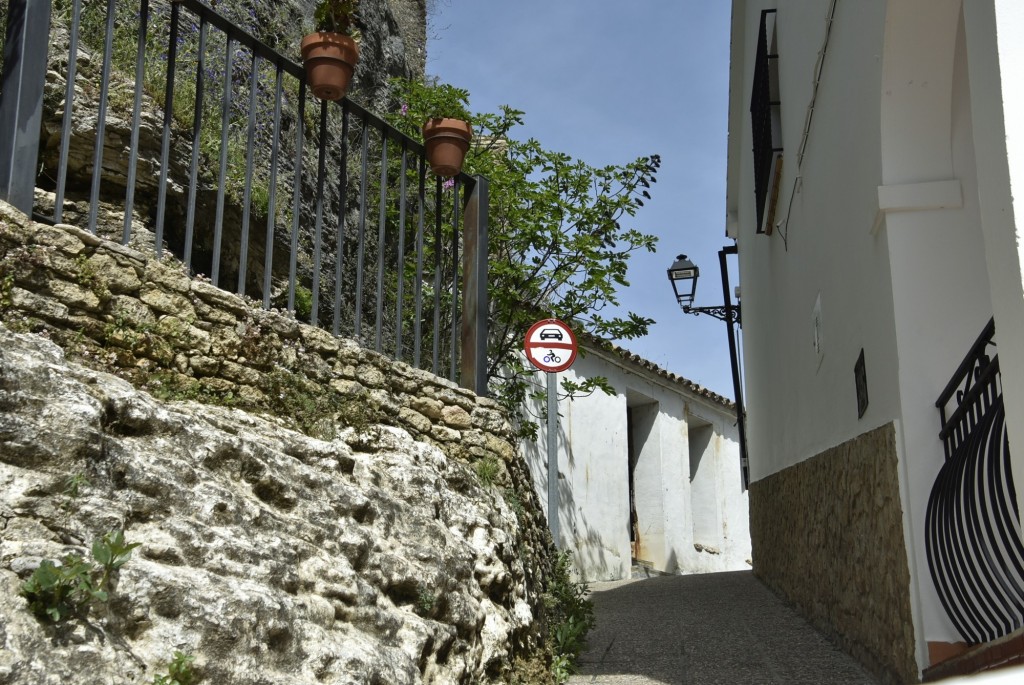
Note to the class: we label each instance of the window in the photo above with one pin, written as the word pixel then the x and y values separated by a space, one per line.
pixel 765 122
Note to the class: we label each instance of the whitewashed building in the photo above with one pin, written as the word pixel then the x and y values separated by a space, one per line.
pixel 650 474
pixel 876 170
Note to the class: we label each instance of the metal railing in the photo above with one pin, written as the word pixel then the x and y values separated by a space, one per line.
pixel 973 535
pixel 322 208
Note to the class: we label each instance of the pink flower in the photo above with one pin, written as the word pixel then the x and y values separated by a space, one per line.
pixel 405 109
pixel 448 184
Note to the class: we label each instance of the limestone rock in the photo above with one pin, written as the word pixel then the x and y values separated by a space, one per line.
pixel 270 556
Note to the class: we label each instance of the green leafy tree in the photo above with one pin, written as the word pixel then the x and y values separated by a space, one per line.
pixel 559 240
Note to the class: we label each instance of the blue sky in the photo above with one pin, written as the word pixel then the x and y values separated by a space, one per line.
pixel 607 82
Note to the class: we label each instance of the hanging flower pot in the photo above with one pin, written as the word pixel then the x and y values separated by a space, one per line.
pixel 446 141
pixel 330 59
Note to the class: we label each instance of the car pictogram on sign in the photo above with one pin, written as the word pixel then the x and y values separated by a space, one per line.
pixel 550 345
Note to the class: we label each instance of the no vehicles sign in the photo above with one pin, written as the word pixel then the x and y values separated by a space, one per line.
pixel 551 346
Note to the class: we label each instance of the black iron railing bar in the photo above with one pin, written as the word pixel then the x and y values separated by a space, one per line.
pixel 250 135
pixel 966 562
pixel 296 70
pixel 978 550
pixel 421 201
pixel 165 143
pixel 453 369
pixel 382 218
pixel 438 196
pixel 361 236
pixel 339 249
pixel 69 99
pixel 242 38
pixel 970 398
pixel 318 225
pixel 101 122
pixel 296 194
pixel 133 146
pixel 222 178
pixel 197 125
pixel 1007 519
pixel 402 201
pixel 977 349
pixel 939 551
pixel 268 249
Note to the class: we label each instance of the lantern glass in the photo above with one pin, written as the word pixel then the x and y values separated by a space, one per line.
pixel 683 276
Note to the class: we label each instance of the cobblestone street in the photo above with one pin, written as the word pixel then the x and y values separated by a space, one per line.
pixel 711 628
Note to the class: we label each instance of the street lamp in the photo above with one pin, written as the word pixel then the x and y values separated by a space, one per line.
pixel 683 276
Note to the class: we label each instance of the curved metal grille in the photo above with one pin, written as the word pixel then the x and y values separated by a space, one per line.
pixel 973 534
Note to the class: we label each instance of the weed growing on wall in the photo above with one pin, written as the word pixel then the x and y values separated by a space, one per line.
pixel 487 470
pixel 426 601
pixel 570 616
pixel 59 591
pixel 179 671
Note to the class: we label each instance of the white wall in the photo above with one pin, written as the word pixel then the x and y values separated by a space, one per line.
pixel 798 404
pixel 901 220
pixel 594 480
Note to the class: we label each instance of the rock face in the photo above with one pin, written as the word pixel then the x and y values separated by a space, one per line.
pixel 270 556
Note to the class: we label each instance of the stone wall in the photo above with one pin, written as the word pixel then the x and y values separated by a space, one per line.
pixel 827 535
pixel 477 539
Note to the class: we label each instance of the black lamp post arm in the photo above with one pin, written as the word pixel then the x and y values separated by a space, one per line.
pixel 723 313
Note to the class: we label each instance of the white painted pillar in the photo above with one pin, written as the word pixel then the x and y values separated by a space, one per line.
pixel 995 53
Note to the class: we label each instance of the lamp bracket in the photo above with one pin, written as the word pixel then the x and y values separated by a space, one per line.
pixel 723 313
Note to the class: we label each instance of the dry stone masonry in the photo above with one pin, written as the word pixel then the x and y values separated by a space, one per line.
pixel 308 511
pixel 828 549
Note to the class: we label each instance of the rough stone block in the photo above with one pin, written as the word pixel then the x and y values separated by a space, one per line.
pixel 456 417
pixel 65 241
pixel 168 278
pixel 239 374
pixel 348 388
pixel 81 234
pixel 204 366
pixel 116 278
pixel 38 305
pixel 167 303
pixel 131 311
pixel 414 419
pixel 370 376
pixel 220 299
pixel 445 434
pixel 74 296
pixel 320 340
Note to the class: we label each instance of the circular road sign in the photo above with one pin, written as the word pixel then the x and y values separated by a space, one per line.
pixel 551 346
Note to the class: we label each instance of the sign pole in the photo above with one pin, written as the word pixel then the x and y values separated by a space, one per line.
pixel 553 455
pixel 551 347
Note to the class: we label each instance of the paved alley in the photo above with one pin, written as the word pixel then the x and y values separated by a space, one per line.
pixel 711 628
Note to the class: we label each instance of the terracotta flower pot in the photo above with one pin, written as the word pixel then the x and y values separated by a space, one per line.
pixel 330 59
pixel 447 141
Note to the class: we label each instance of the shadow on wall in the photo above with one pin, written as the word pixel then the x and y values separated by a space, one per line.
pixel 592 558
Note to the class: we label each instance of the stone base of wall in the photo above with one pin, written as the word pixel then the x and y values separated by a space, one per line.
pixel 827 535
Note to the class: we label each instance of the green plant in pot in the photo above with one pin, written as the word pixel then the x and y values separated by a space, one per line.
pixel 330 53
pixel 444 111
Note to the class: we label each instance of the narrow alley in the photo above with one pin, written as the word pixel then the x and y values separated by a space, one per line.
pixel 710 628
